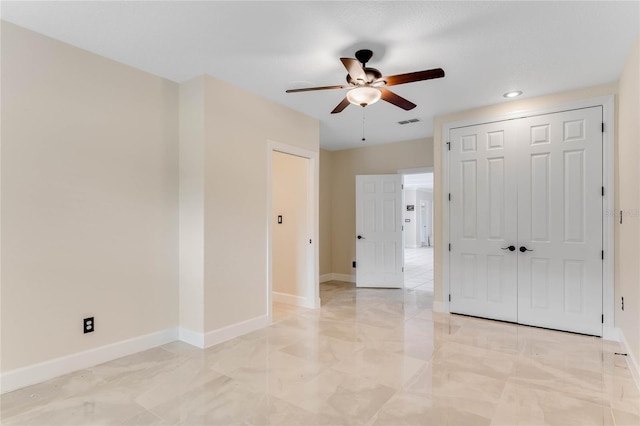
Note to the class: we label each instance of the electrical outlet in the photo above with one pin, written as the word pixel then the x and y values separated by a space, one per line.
pixel 89 325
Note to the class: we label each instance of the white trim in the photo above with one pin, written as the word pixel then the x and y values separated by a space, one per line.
pixel 415 171
pixel 442 307
pixel 608 220
pixel 607 104
pixel 291 299
pixel 313 220
pixel 350 278
pixel 611 333
pixel 326 277
pixel 344 277
pixel 37 373
pixel 234 330
pixel 634 367
pixel 194 338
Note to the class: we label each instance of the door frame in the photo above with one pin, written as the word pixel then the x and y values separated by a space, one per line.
pixel 312 301
pixel 609 331
pixel 417 171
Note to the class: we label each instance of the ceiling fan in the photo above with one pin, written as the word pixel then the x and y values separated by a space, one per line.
pixel 368 85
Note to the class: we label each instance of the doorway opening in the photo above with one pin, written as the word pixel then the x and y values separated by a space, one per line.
pixel 418 229
pixel 292 231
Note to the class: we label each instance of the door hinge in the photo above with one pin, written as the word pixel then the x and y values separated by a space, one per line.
pixel 448 146
pixel 449 196
pixel 449 297
pixel 309 240
pixel 603 191
pixel 602 318
pixel 402 186
pixel 353 264
pixel 602 254
pixel 602 127
pixel 449 246
pixel 403 269
pixel 402 227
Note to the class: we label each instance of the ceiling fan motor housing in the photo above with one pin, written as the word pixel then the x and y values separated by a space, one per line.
pixel 372 75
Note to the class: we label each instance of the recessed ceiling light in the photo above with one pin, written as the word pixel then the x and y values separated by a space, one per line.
pixel 512 94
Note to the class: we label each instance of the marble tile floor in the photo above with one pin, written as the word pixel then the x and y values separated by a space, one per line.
pixel 418 268
pixel 367 357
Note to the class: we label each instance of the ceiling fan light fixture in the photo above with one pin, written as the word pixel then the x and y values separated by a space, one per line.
pixel 364 96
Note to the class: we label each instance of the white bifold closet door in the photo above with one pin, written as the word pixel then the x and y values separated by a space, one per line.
pixel 535 184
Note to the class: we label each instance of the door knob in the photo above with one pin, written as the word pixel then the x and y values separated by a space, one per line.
pixel 510 248
pixel 360 237
pixel 523 249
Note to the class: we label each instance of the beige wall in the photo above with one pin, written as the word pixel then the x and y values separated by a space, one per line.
pixel 89 200
pixel 326 171
pixel 346 164
pixel 490 111
pixel 289 241
pixel 628 200
pixel 238 125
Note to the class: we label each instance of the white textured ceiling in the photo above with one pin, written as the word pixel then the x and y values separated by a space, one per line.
pixel 485 48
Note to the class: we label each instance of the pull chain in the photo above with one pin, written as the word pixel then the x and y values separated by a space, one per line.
pixel 363 138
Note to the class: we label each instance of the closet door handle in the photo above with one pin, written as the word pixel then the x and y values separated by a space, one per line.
pixel 510 248
pixel 523 249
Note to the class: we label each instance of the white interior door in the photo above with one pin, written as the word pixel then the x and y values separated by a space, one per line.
pixel 379 237
pixel 560 221
pixel 483 218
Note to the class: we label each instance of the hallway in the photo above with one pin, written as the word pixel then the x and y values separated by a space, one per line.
pixel 418 268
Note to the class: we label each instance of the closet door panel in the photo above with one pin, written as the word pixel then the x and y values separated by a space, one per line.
pixel 483 218
pixel 560 221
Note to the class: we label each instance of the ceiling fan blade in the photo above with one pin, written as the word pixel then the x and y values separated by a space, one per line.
pixel 396 100
pixel 310 89
pixel 410 77
pixel 354 69
pixel 342 105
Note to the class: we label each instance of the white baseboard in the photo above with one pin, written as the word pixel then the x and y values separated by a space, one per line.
pixel 290 299
pixel 234 330
pixel 194 338
pixel 632 361
pixel 344 277
pixel 337 277
pixel 37 373
pixel 442 307
pixel 326 277
pixel 611 333
pixel 211 338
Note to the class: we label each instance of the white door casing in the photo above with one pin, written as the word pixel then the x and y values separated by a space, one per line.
pixel 554 162
pixel 312 300
pixel 483 218
pixel 560 207
pixel 379 261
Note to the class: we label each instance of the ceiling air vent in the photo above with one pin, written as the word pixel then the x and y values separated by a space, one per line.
pixel 411 120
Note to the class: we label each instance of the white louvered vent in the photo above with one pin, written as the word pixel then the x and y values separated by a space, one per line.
pixel 411 120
